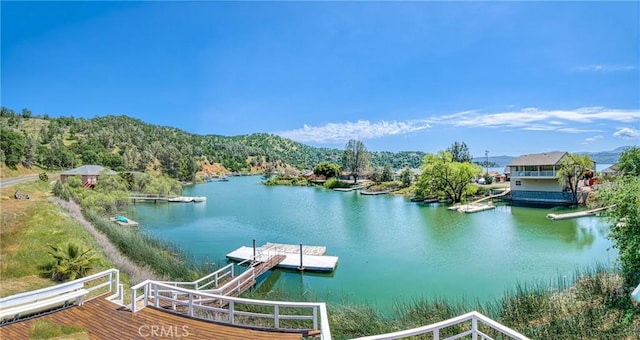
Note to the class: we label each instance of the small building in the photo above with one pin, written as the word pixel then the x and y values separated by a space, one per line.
pixel 88 173
pixel 533 180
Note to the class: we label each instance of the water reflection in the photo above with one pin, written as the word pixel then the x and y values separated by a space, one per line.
pixel 534 223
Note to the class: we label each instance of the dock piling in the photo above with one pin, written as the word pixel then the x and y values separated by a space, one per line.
pixel 301 268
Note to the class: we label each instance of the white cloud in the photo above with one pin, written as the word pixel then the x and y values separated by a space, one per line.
pixel 627 133
pixel 606 68
pixel 579 120
pixel 362 129
pixel 536 119
pixel 591 140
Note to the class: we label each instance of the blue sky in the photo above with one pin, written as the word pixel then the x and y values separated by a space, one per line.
pixel 507 77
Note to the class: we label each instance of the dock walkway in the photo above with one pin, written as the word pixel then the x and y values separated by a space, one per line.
pixel 576 214
pixel 104 319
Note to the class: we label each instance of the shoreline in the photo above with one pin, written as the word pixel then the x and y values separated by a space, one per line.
pixel 135 272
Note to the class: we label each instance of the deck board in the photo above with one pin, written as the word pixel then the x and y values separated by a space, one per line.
pixel 106 320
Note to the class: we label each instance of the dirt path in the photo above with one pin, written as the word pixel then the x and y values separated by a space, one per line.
pixel 136 272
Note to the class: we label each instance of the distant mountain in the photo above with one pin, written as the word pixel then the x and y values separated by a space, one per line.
pixel 499 160
pixel 602 157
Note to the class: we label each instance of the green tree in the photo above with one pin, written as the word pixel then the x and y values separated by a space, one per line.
pixel 443 176
pixel 12 144
pixel 406 177
pixel 571 171
pixel 327 170
pixel 356 159
pixel 459 152
pixel 624 195
pixel 376 175
pixel 26 113
pixel 387 173
pixel 70 262
pixel 629 162
pixel 29 152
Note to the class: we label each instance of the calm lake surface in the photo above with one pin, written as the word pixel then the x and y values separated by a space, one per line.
pixel 389 248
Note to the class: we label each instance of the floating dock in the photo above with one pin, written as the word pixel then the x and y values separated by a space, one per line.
pixel 123 221
pixel 349 189
pixel 472 207
pixel 312 258
pixel 187 199
pixel 178 199
pixel 576 214
pixel 363 192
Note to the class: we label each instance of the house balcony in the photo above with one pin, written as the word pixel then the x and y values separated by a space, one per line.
pixel 535 174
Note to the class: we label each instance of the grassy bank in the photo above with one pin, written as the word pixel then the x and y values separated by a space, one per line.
pixel 163 258
pixel 28 227
pixel 594 305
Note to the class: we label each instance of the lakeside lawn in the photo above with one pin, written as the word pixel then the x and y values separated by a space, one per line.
pixel 28 227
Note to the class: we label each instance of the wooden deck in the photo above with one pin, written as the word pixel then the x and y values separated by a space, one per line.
pixel 106 320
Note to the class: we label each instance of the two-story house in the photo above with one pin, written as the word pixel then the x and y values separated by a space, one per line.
pixel 534 181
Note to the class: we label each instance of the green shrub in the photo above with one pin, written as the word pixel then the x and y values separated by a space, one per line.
pixel 43 176
pixel 333 183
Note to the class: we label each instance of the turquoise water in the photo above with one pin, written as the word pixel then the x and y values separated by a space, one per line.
pixel 389 247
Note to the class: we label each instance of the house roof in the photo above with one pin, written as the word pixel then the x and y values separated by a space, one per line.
pixel 610 170
pixel 547 158
pixel 86 170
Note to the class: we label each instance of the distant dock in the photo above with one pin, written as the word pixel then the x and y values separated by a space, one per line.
pixel 349 189
pixel 176 199
pixel 299 257
pixel 576 214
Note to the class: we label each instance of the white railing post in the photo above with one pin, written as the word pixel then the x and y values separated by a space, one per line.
pixel 474 327
pixel 231 306
pixel 276 316
pixel 110 282
pixel 146 294
pixel 133 300
pixel 436 334
pixel 156 300
pixel 190 312
pixel 315 317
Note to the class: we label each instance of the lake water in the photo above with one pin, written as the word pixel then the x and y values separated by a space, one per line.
pixel 389 247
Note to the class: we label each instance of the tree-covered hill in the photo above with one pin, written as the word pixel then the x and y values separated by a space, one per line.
pixel 125 143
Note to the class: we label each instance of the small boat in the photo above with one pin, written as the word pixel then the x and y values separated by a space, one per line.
pixel 199 199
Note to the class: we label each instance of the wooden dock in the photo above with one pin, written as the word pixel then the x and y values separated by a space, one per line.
pixel 311 258
pixel 576 214
pixel 102 319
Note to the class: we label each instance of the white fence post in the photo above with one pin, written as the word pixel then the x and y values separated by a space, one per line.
pixel 474 327
pixel 276 316
pixel 231 321
pixel 156 300
pixel 190 312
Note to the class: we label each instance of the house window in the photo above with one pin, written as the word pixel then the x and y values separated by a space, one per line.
pixel 518 182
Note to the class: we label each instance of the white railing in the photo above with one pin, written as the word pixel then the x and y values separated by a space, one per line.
pixel 232 310
pixel 91 283
pixel 534 173
pixel 476 320
pixel 211 280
